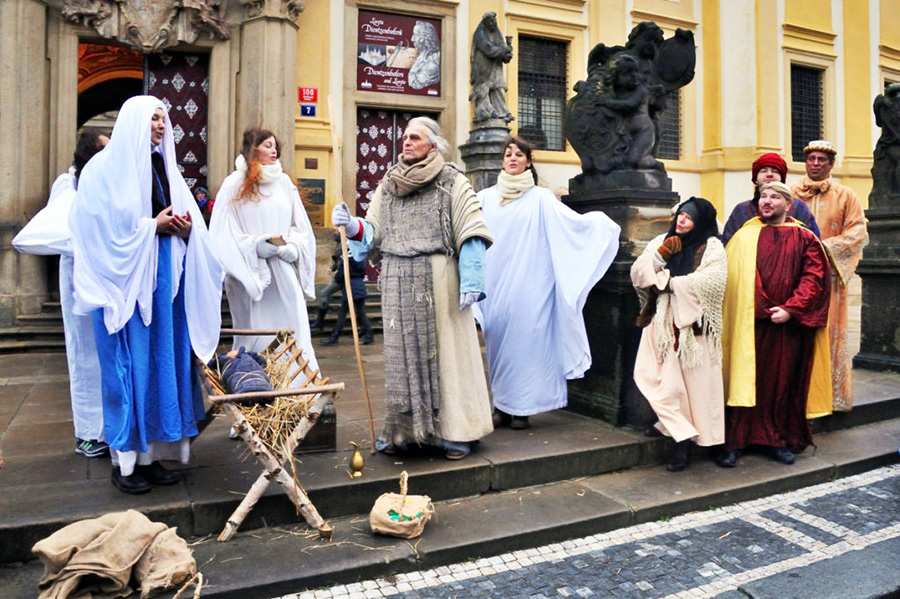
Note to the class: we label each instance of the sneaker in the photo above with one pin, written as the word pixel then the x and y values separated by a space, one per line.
pixel 91 448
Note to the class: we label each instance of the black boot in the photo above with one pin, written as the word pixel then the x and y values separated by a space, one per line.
pixel 681 457
pixel 368 338
pixel 320 319
pixel 332 339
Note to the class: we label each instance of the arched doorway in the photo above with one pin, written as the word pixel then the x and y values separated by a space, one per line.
pixel 109 74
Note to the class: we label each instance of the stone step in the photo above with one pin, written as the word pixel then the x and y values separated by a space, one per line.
pixel 560 445
pixel 286 559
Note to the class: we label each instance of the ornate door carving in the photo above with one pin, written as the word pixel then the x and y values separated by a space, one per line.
pixel 181 81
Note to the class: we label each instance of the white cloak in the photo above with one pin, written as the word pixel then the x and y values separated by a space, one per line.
pixel 115 240
pixel 48 234
pixel 265 293
pixel 545 260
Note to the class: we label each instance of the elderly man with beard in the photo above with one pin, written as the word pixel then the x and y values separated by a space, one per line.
pixel 427 222
pixel 775 341
pixel 839 214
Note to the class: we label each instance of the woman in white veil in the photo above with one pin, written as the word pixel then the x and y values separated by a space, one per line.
pixel 144 270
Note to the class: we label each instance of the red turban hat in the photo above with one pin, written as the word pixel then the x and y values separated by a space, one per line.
pixel 771 159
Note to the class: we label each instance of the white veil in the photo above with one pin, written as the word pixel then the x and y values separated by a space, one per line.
pixel 114 233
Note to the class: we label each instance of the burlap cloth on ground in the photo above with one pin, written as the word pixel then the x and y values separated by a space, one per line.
pixel 98 559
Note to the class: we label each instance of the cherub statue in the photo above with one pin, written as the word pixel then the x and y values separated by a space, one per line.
pixel 886 165
pixel 612 120
pixel 625 101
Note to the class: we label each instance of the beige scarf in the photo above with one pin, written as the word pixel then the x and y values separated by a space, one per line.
pixel 513 187
pixel 406 178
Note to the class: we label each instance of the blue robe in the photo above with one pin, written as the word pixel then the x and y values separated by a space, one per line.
pixel 150 391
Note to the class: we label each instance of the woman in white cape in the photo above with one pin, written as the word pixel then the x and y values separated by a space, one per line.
pixel 262 236
pixel 544 261
pixel 144 270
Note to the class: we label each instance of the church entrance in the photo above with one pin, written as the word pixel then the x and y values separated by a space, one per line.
pixel 109 74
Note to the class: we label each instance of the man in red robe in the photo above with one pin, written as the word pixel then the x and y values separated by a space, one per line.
pixel 775 341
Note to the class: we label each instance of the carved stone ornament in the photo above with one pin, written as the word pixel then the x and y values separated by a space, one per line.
pixel 151 25
pixel 273 8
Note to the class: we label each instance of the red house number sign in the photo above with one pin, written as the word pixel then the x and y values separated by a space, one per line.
pixel 308 94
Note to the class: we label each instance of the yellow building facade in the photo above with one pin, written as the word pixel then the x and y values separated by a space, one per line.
pixel 302 69
pixel 738 106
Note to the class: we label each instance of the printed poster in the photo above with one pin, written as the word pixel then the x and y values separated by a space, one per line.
pixel 398 54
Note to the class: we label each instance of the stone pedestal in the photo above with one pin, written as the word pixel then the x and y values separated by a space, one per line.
pixel 607 390
pixel 481 152
pixel 880 273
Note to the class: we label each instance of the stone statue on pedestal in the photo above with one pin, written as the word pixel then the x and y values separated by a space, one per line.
pixel 490 51
pixel 879 269
pixel 886 164
pixel 481 153
pixel 612 122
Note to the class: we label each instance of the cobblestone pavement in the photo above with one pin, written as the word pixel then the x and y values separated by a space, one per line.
pixel 697 555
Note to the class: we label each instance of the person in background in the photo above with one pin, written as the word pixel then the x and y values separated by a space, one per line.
pixel 767 168
pixel 839 214
pixel 204 202
pixel 358 286
pixel 48 234
pixel 334 286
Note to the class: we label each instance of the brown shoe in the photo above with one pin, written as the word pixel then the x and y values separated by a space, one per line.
pixel 519 423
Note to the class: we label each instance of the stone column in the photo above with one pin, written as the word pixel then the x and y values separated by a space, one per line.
pixel 607 390
pixel 24 178
pixel 267 83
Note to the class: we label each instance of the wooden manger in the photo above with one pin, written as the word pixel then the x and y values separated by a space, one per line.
pixel 273 432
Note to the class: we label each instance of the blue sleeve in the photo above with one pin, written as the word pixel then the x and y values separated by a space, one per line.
pixel 471 266
pixel 802 213
pixel 360 249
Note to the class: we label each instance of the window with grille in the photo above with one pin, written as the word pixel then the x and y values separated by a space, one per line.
pixel 543 69
pixel 807 106
pixel 670 128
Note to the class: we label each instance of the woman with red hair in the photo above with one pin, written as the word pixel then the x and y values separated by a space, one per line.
pixel 263 238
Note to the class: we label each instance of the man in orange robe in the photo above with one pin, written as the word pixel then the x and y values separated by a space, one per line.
pixel 775 345
pixel 839 214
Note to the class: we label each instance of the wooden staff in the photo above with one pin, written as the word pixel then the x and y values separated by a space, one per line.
pixel 336 148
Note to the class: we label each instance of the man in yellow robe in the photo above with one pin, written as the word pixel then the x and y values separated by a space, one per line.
pixel 840 217
pixel 775 341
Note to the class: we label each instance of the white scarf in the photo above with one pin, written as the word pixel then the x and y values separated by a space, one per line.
pixel 114 233
pixel 513 187
pixel 269 172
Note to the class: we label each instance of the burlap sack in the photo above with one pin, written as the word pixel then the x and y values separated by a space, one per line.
pixel 399 514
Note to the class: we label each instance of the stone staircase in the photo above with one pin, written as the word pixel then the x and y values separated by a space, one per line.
pixel 43 332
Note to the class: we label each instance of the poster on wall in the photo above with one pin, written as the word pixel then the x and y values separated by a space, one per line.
pixel 398 54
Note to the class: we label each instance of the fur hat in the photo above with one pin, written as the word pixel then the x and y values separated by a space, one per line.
pixel 820 145
pixel 771 159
